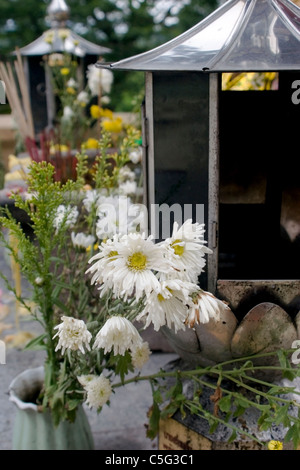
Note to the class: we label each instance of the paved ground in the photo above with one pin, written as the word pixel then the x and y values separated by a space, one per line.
pixel 121 426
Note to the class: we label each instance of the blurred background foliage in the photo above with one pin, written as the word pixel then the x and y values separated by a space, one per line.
pixel 127 27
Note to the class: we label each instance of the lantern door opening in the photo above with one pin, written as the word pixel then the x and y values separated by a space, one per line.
pixel 259 183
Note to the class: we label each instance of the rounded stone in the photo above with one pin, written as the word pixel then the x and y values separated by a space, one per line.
pixel 265 328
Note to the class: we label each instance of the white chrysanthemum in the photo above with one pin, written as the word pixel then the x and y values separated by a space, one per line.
pixel 91 199
pixel 136 155
pixel 83 97
pixel 73 334
pixel 186 250
pixel 113 216
pixel 67 215
pixel 133 270
pixel 98 390
pixel 72 83
pixel 204 306
pixel 82 240
pixel 125 174
pixel 68 113
pixel 128 188
pixel 140 355
pixel 104 100
pixel 99 80
pixel 117 334
pixel 84 380
pixel 102 267
pixel 168 305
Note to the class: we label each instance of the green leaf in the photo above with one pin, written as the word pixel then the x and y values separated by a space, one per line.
pixel 282 414
pixel 60 304
pixel 37 344
pixel 122 364
pixel 233 436
pixel 240 410
pixel 213 426
pixel 225 403
pixel 154 416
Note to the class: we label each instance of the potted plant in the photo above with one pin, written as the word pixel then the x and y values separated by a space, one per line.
pixel 94 273
pixel 52 251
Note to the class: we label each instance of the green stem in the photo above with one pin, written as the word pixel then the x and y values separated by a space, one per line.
pixel 224 423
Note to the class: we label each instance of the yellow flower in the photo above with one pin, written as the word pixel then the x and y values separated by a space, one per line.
pixel 49 38
pixel 96 246
pixel 275 445
pixel 91 143
pixel 65 71
pixel 107 113
pixel 95 111
pixel 63 33
pixel 76 42
pixel 71 90
pixel 114 126
pixel 58 148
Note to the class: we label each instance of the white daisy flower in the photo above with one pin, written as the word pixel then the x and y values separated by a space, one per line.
pixel 83 97
pixel 125 173
pixel 204 306
pixel 84 380
pixel 82 240
pixel 128 188
pixel 105 100
pixel 103 261
pixel 98 390
pixel 136 155
pixel 134 269
pixel 67 215
pixel 140 355
pixel 91 198
pixel 72 83
pixel 168 305
pixel 186 250
pixel 117 334
pixel 113 218
pixel 68 113
pixel 73 334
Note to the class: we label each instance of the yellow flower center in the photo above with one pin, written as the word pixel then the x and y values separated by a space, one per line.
pixel 275 445
pixel 160 297
pixel 178 249
pixel 137 261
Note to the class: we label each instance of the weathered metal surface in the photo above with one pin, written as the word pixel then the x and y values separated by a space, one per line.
pixel 215 337
pixel 241 35
pixel 250 292
pixel 266 328
pixel 297 324
pixel 213 182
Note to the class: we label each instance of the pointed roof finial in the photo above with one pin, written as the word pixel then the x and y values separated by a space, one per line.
pixel 58 13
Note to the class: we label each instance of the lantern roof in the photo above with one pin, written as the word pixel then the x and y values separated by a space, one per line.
pixel 59 38
pixel 241 35
pixel 62 40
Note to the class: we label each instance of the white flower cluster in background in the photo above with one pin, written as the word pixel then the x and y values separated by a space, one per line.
pixel 65 215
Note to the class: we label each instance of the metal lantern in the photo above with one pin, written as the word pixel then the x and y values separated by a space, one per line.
pixel 58 39
pixel 235 153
